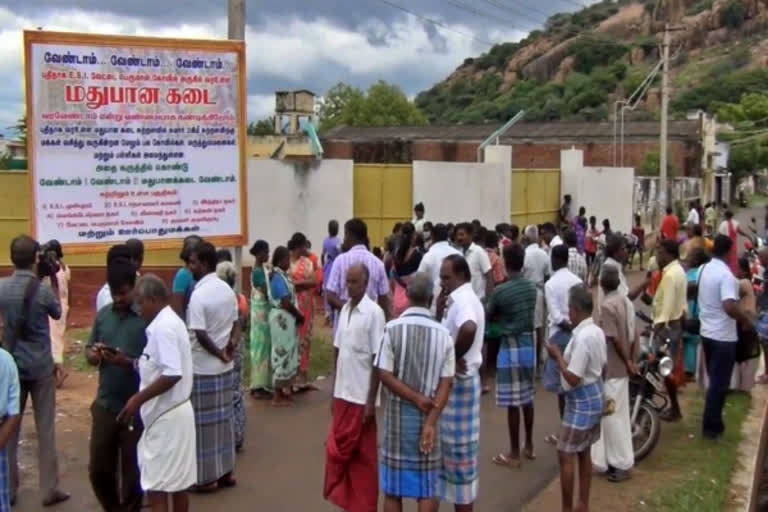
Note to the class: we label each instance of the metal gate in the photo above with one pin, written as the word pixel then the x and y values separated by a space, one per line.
pixel 383 197
pixel 535 196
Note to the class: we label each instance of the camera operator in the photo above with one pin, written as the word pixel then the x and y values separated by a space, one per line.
pixel 26 303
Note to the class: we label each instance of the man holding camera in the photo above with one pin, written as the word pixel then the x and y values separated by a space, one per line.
pixel 25 305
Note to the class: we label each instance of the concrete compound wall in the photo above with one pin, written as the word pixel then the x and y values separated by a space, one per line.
pixel 606 192
pixel 457 192
pixel 684 157
pixel 286 197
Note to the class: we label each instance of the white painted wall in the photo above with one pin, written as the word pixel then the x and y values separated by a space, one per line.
pixel 606 192
pixel 458 191
pixel 286 197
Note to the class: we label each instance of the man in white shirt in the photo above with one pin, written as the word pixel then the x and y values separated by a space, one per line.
pixel 463 315
pixel 719 311
pixel 581 368
pixel 616 255
pixel 577 263
pixel 549 236
pixel 433 259
pixel 693 215
pixel 214 332
pixel 477 259
pixel 418 217
pixel 556 292
pixel 166 451
pixel 351 462
pixel 537 268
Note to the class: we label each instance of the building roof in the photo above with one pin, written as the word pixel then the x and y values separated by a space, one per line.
pixel 519 133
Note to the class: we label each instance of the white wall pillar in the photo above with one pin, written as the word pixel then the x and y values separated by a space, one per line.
pixel 571 165
pixel 498 154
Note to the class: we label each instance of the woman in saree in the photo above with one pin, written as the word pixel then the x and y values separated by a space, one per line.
pixel 260 345
pixel 407 258
pixel 60 285
pixel 284 320
pixel 302 273
pixel 730 228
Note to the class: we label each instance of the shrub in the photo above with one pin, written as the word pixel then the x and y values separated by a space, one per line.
pixel 591 51
pixel 734 14
pixel 699 7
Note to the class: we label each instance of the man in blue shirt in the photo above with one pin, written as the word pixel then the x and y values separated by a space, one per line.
pixel 9 421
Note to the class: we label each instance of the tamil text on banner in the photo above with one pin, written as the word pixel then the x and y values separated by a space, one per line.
pixel 135 137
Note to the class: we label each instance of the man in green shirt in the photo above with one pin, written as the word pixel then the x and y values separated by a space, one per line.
pixel 117 339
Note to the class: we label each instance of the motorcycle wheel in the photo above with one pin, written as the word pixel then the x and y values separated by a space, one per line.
pixel 645 431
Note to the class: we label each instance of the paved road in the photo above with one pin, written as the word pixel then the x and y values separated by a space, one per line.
pixel 282 467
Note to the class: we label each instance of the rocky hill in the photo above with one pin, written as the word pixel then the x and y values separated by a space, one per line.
pixel 580 63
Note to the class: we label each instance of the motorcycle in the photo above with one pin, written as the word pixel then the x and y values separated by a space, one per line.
pixel 756 269
pixel 647 394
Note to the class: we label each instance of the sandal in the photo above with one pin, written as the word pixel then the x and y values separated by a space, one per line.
pixel 529 453
pixel 505 460
pixel 669 415
pixel 226 482
pixel 551 439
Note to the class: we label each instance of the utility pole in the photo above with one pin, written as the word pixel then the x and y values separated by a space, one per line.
pixel 236 31
pixel 664 190
pixel 236 18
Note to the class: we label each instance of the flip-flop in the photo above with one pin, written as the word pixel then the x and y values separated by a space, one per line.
pixel 551 439
pixel 529 454
pixel 506 461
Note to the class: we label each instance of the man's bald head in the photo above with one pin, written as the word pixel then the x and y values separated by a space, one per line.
pixel 420 290
pixel 357 282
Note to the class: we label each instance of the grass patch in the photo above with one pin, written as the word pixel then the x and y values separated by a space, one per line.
pixel 697 472
pixel 74 357
pixel 757 200
pixel 321 356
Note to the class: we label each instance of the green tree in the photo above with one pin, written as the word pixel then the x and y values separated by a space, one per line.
pixel 21 128
pixel 262 127
pixel 342 104
pixel 383 104
pixel 747 158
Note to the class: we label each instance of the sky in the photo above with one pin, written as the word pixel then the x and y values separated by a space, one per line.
pixel 292 44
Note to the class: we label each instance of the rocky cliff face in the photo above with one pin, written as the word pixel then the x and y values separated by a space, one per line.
pixel 548 57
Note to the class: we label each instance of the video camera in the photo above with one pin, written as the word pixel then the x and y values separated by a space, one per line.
pixel 47 261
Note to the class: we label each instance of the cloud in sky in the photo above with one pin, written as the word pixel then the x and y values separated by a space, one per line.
pixel 290 43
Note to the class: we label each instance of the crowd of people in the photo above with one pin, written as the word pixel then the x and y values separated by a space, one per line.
pixel 439 316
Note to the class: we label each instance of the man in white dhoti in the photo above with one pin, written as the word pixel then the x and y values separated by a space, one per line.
pixel 166 450
pixel 613 453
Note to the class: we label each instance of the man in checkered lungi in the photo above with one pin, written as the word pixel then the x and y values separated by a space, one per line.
pixel 512 306
pixel 581 369
pixel 212 322
pixel 416 363
pixel 9 412
pixel 464 316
